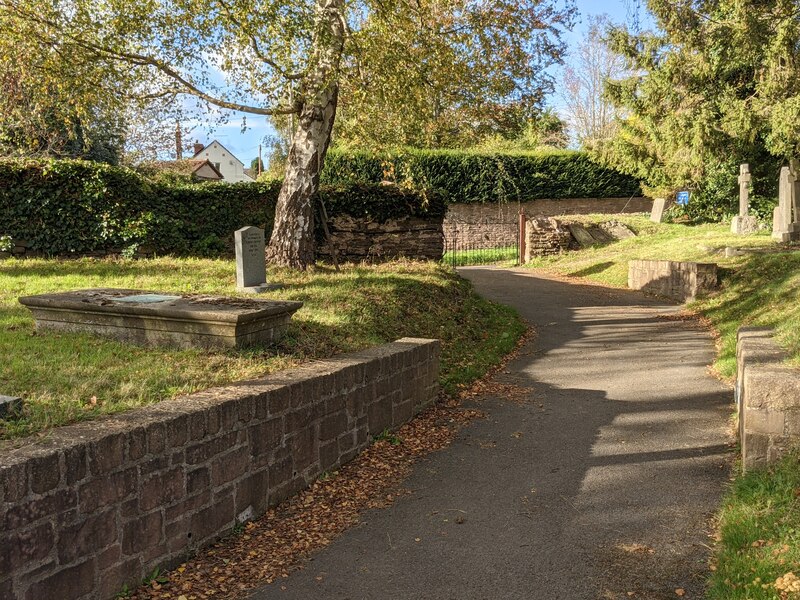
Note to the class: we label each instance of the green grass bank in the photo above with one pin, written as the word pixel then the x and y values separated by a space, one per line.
pixel 72 377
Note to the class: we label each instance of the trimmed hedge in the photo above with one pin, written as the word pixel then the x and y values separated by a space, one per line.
pixel 475 177
pixel 65 207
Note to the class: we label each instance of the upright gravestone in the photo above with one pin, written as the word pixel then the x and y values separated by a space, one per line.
pixel 251 265
pixel 657 214
pixel 744 223
pixel 782 224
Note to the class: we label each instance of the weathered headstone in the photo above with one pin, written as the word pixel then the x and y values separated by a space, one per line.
pixel 581 235
pixel 251 265
pixel 744 223
pixel 657 214
pixel 782 216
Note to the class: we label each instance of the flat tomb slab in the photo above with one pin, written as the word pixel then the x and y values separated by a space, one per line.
pixel 153 319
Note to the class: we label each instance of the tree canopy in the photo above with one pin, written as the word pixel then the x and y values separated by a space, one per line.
pixel 441 63
pixel 719 82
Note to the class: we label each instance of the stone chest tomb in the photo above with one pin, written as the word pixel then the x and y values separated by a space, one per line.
pixel 151 319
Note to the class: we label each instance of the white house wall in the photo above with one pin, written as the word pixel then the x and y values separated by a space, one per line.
pixel 231 167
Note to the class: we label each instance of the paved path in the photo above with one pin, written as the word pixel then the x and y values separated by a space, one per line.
pixel 600 483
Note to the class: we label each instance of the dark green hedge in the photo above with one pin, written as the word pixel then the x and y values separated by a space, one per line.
pixel 481 177
pixel 66 207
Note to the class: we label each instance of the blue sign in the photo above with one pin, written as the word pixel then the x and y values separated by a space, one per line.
pixel 683 198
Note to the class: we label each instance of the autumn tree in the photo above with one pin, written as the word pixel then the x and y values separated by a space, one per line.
pixel 41 116
pixel 289 57
pixel 449 73
pixel 590 114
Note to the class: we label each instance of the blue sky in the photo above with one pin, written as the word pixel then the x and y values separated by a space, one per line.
pixel 245 145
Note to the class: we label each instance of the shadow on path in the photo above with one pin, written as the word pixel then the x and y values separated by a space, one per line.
pixel 597 482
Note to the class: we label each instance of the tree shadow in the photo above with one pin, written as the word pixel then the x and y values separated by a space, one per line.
pixel 592 476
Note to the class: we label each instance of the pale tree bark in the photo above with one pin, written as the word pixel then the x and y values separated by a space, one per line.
pixel 292 241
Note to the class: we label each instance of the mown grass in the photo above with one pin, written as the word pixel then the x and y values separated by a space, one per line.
pixel 460 258
pixel 72 377
pixel 759 523
pixel 759 536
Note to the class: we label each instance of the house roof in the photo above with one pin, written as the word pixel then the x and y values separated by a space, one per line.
pixel 206 147
pixel 186 166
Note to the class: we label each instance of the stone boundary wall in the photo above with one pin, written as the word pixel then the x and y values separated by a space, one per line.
pixel 681 281
pixel 495 225
pixel 97 505
pixel 767 398
pixel 362 239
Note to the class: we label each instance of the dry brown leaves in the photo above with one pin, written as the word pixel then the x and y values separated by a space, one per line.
pixel 271 546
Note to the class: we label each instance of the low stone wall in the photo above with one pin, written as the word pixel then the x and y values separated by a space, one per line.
pixel 495 225
pixel 767 399
pixel 362 239
pixel 546 236
pixel 681 281
pixel 94 506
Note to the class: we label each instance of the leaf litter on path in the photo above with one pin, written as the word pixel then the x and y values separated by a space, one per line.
pixel 268 548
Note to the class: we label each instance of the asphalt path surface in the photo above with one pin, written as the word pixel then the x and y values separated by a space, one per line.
pixel 597 480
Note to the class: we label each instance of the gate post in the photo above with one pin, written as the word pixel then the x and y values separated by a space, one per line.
pixel 521 235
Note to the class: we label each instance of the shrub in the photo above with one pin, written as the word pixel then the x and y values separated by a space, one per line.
pixel 479 177
pixel 65 207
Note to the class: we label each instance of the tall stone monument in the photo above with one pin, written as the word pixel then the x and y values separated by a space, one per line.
pixel 744 223
pixel 251 264
pixel 785 227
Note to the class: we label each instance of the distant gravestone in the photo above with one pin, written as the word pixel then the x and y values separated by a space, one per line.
pixel 251 264
pixel 744 224
pixel 657 214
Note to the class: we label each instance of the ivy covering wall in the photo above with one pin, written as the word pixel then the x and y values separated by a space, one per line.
pixel 79 207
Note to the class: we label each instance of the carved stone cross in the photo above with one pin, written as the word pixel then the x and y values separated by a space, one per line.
pixel 744 190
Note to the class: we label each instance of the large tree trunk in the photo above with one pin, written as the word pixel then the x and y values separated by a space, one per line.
pixel 292 241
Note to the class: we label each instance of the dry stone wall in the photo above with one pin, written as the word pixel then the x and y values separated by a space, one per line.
pixel 363 239
pixel 98 505
pixel 546 237
pixel 767 399
pixel 681 281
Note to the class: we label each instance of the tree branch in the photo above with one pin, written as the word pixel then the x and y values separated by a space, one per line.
pixel 257 49
pixel 145 60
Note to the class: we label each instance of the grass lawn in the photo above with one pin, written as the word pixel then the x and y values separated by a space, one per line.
pixel 758 552
pixel 72 377
pixel 503 256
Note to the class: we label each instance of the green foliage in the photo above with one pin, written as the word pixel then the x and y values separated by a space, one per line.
pixel 64 207
pixel 479 177
pixel 382 202
pixel 387 436
pixel 718 84
pixel 79 207
pixel 545 132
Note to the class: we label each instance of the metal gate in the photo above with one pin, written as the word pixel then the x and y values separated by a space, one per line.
pixel 485 243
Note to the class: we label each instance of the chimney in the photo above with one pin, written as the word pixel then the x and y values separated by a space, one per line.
pixel 198 147
pixel 178 141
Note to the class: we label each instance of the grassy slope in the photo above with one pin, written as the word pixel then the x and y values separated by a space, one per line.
pixel 759 524
pixel 70 377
